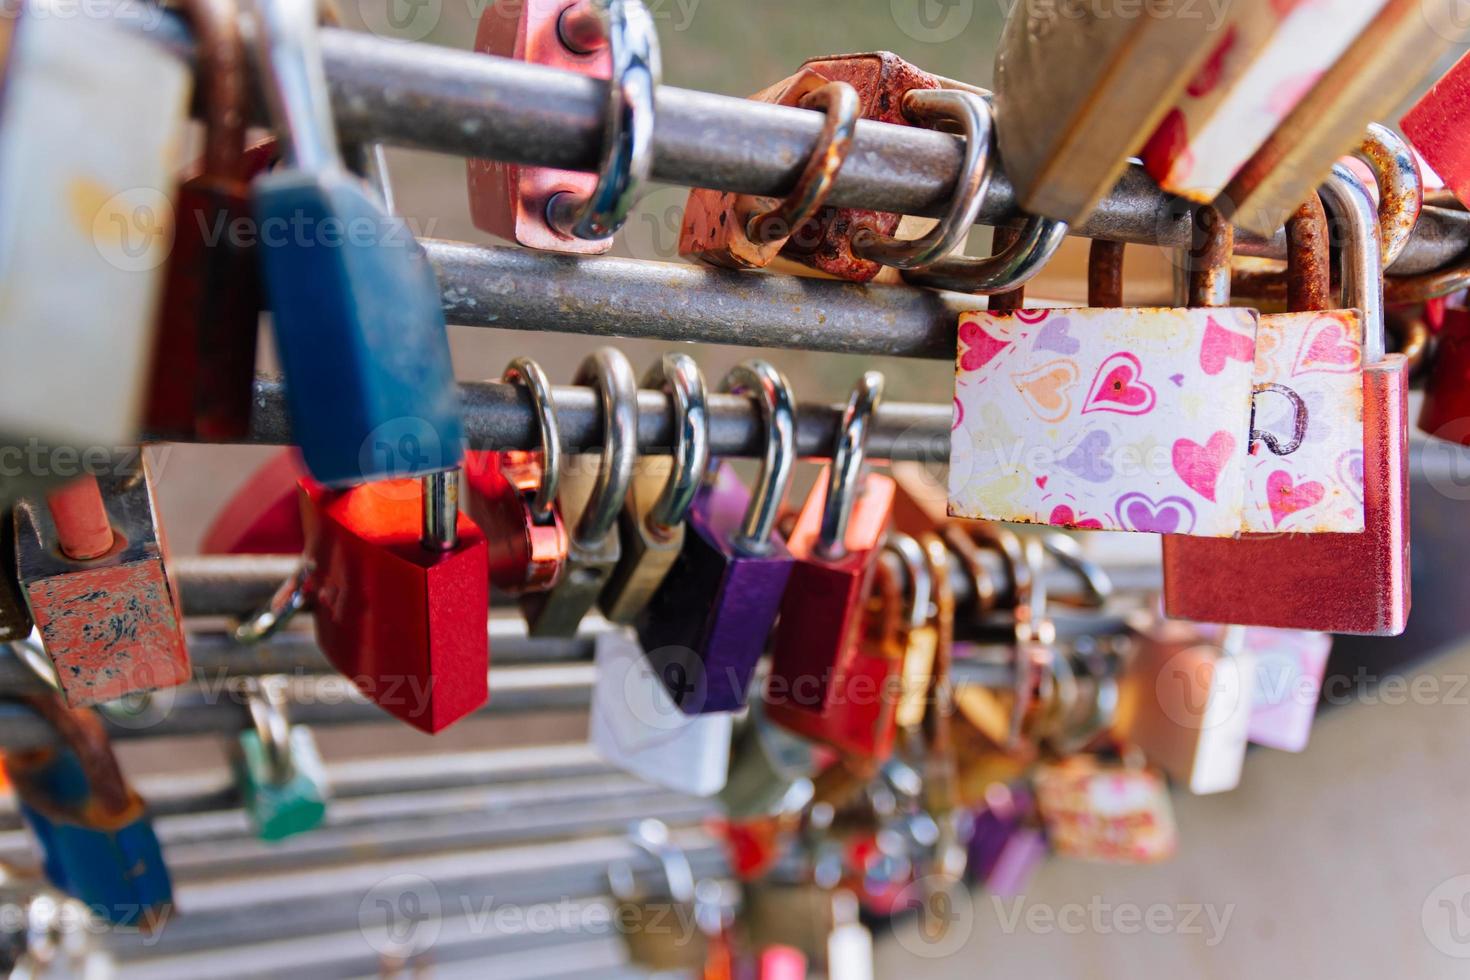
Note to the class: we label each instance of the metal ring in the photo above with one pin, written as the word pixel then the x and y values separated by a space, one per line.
pixel 778 409
pixel 1362 272
pixel 293 596
pixel 974 117
pixel 842 105
pixel 298 98
pixel 617 386
pixel 915 562
pixel 266 699
pixel 846 473
pixel 627 147
pixel 1400 187
pixel 525 371
pixel 1010 268
pixel 680 376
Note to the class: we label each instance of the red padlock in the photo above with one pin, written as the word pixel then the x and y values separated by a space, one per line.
pixel 398 581
pixel 263 517
pixel 93 564
pixel 1335 583
pixel 1446 410
pixel 836 543
pixel 512 497
pixel 1436 126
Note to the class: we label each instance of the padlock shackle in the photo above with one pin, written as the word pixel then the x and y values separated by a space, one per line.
pixel 82 732
pixel 1208 268
pixel 680 377
pixel 845 481
pixel 223 78
pixel 266 699
pixel 1096 583
pixel 917 573
pixel 651 837
pixel 1105 275
pixel 608 369
pixel 294 80
pixel 439 493
pixel 1352 206
pixel 1013 265
pixel 1308 258
pixel 1400 188
pixel 778 410
pixel 527 372
pixel 841 108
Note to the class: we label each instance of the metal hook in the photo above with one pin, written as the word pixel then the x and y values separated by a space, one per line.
pixel 627 148
pixel 842 105
pixel 847 465
pixel 915 561
pixel 265 697
pixel 1011 267
pixel 972 114
pixel 293 596
pixel 294 79
pixel 680 376
pixel 1348 199
pixel 609 369
pixel 778 407
pixel 1400 187
pixel 1068 553
pixel 525 371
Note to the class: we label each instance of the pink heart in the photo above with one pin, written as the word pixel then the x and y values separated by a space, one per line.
pixel 1063 516
pixel 1286 499
pixel 978 347
pixel 1119 384
pixel 1328 348
pixel 1041 481
pixel 1221 345
pixel 1199 466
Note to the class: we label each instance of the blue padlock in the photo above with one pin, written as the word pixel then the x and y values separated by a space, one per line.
pixel 97 842
pixel 358 319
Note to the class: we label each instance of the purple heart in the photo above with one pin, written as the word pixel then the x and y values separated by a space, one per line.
pixel 1054 337
pixel 1178 380
pixel 1089 459
pixel 1172 515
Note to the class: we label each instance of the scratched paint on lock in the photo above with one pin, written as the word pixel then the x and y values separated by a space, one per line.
pixel 113 630
pixel 1106 419
pixel 1308 421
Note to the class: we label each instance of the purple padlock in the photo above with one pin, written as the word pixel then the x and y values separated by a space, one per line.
pixel 1006 846
pixel 707 626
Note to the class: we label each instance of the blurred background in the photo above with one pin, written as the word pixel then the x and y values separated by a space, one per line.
pixel 1351 860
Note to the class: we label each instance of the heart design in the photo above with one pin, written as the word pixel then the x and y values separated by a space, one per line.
pixel 1350 472
pixel 1172 515
pixel 1047 389
pixel 1089 459
pixel 1054 337
pixel 1031 316
pixel 1178 380
pixel 1200 466
pixel 1063 516
pixel 1118 387
pixel 1221 345
pixel 1286 498
pixel 1328 348
pixel 1041 481
pixel 978 348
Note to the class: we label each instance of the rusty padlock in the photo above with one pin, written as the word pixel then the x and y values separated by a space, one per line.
pixel 512 497
pixel 564 210
pixel 399 585
pixel 1337 583
pixel 209 316
pixel 740 231
pixel 93 564
pixel 836 543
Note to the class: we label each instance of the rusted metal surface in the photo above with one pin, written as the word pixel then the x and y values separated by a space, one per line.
pixel 1309 261
pixel 1105 275
pixel 1209 259
pixel 1012 299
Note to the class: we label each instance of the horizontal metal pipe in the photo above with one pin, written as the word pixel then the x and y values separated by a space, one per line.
pixel 457 102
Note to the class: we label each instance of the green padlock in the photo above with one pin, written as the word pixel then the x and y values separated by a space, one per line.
pixel 283 784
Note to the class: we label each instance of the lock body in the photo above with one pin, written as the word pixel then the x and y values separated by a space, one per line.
pixel 815 639
pixel 708 624
pixel 648 553
pixel 360 331
pixel 510 200
pixel 1446 410
pixel 111 625
pixel 91 139
pixel 1106 811
pixel 526 554
pixel 280 808
pixel 407 625
pixel 1436 127
pixel 263 517
pixel 1335 583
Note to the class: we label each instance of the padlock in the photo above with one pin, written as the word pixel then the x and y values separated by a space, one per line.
pixel 651 523
pixel 94 566
pixel 592 511
pixel 355 306
pixel 1258 69
pixel 88 156
pixel 564 210
pixel 1445 413
pixel 636 726
pixel 263 517
pixel 883 83
pixel 740 231
pixel 1435 125
pixel 96 838
pixel 282 782
pixel 512 497
pixel 770 769
pixel 1067 135
pixel 1005 843
pixel 661 926
pixel 398 581
pixel 1340 583
pixel 800 913
pixel 1185 701
pixel 204 356
pixel 1290 666
pixel 705 629
pixel 835 544
pixel 1105 810
pixel 1107 419
pixel 1383 65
